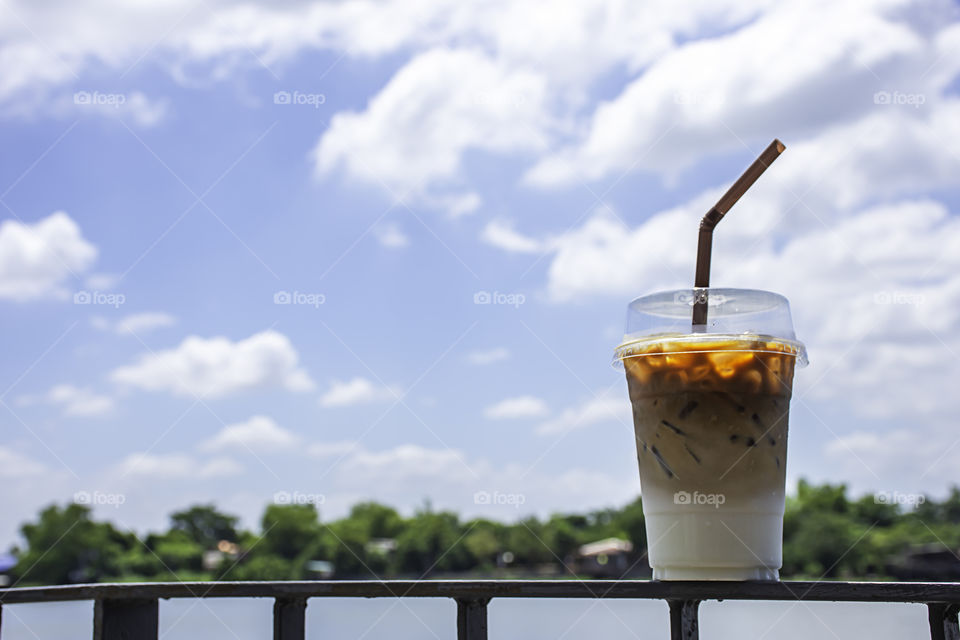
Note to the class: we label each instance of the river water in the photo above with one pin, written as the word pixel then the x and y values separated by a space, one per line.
pixel 517 619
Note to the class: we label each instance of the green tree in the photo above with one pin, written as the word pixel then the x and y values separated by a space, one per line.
pixel 205 525
pixel 822 536
pixel 872 512
pixel 630 520
pixel 289 538
pixel 177 552
pixel 432 543
pixel 822 545
pixel 377 520
pixel 825 534
pixel 525 539
pixel 345 543
pixel 562 537
pixel 66 546
pixel 263 567
pixel 484 541
pixel 288 529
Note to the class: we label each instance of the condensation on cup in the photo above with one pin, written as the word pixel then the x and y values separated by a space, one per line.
pixel 710 411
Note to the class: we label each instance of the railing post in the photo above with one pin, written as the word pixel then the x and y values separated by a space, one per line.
pixel 684 623
pixel 289 618
pixel 125 619
pixel 472 619
pixel 943 621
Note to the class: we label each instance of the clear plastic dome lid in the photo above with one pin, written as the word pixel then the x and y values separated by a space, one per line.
pixel 737 319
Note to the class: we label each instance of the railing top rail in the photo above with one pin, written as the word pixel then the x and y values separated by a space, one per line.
pixel 919 592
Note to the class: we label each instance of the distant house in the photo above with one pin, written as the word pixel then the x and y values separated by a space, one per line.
pixel 213 558
pixel 926 562
pixel 609 558
pixel 7 562
pixel 320 569
pixel 381 546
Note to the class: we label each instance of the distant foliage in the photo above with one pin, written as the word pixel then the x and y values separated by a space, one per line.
pixel 826 535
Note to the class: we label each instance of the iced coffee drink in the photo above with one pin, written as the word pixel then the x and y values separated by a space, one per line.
pixel 710 416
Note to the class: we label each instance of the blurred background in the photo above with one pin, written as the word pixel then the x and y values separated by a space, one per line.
pixel 314 254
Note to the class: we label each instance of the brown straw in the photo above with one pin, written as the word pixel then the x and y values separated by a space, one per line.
pixel 712 217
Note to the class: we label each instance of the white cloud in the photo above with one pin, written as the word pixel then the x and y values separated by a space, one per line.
pixel 38 259
pixel 888 153
pixel 879 332
pixel 821 64
pixel 608 407
pixel 133 106
pixel 77 401
pixel 605 257
pixel 135 323
pixel 501 234
pixel 258 433
pixel 574 41
pixel 176 465
pixel 145 111
pixel 219 366
pixel 143 322
pixel 16 465
pixel 488 356
pixel 519 407
pixel 356 391
pixel 404 474
pixel 391 235
pixel 101 281
pixel 406 462
pixel 816 183
pixel 899 460
pixel 889 320
pixel 515 77
pixel 441 104
pixel 331 449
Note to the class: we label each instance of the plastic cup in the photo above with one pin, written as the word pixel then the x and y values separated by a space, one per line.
pixel 710 412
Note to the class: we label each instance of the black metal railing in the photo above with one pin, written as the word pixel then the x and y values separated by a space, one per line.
pixel 131 610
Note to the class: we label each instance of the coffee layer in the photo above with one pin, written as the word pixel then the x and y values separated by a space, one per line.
pixel 752 366
pixel 712 420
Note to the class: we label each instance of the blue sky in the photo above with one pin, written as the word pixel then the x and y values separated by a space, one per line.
pixel 180 167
